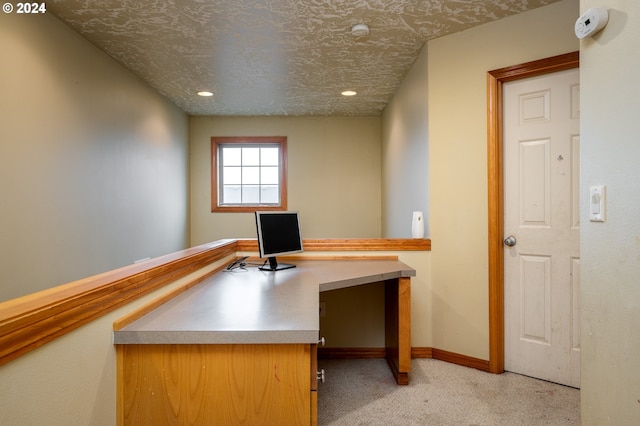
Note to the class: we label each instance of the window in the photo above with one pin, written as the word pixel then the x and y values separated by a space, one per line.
pixel 248 173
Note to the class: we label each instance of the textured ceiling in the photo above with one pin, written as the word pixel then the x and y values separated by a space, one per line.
pixel 274 57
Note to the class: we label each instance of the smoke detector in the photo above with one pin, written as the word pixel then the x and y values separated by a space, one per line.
pixel 360 30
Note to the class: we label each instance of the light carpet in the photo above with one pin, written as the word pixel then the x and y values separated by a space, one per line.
pixel 363 392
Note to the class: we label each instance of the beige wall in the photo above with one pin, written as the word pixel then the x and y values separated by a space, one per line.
pixel 93 163
pixel 405 154
pixel 457 158
pixel 334 175
pixel 610 251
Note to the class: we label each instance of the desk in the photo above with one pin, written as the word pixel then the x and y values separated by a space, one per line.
pixel 240 347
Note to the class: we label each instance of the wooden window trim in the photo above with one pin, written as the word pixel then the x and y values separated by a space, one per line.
pixel 220 140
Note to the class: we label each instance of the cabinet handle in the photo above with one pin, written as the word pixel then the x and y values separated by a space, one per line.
pixel 320 375
pixel 321 341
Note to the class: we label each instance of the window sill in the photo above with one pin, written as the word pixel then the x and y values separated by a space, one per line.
pixel 246 209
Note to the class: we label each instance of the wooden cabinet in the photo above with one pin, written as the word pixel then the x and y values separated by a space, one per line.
pixel 314 385
pixel 226 384
pixel 240 349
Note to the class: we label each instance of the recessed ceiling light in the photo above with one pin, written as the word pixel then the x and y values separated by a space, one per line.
pixel 205 93
pixel 360 30
pixel 349 93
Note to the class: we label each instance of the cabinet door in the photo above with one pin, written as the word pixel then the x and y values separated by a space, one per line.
pixel 314 385
pixel 214 384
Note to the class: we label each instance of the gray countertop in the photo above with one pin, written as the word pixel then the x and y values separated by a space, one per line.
pixel 254 307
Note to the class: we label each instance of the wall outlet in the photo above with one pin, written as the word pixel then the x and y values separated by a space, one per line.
pixel 323 309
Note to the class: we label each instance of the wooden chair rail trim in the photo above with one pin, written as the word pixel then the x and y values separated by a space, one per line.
pixel 294 257
pixel 31 321
pixel 352 244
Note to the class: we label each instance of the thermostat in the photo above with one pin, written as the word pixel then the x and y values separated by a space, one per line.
pixel 591 22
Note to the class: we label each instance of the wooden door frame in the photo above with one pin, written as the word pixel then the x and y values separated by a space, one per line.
pixel 495 81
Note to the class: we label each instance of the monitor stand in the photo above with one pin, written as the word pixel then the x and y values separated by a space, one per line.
pixel 274 266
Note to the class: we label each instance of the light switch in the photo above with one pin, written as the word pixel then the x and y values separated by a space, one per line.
pixel 597 203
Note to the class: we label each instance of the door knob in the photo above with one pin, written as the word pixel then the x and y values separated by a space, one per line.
pixel 510 241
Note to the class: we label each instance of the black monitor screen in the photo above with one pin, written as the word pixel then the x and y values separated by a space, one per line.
pixel 278 234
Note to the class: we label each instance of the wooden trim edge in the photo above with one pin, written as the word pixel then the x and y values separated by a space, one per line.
pixel 352 353
pixel 29 322
pixel 463 360
pixel 402 377
pixel 416 352
pixel 421 353
pixel 352 244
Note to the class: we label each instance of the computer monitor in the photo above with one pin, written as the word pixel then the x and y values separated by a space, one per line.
pixel 278 235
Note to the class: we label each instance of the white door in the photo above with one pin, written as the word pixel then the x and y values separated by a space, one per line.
pixel 541 205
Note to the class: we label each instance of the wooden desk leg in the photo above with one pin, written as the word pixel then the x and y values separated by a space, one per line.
pixel 398 327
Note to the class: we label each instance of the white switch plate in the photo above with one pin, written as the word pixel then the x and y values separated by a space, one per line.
pixel 597 203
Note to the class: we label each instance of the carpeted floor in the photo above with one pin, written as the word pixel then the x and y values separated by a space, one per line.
pixel 363 392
